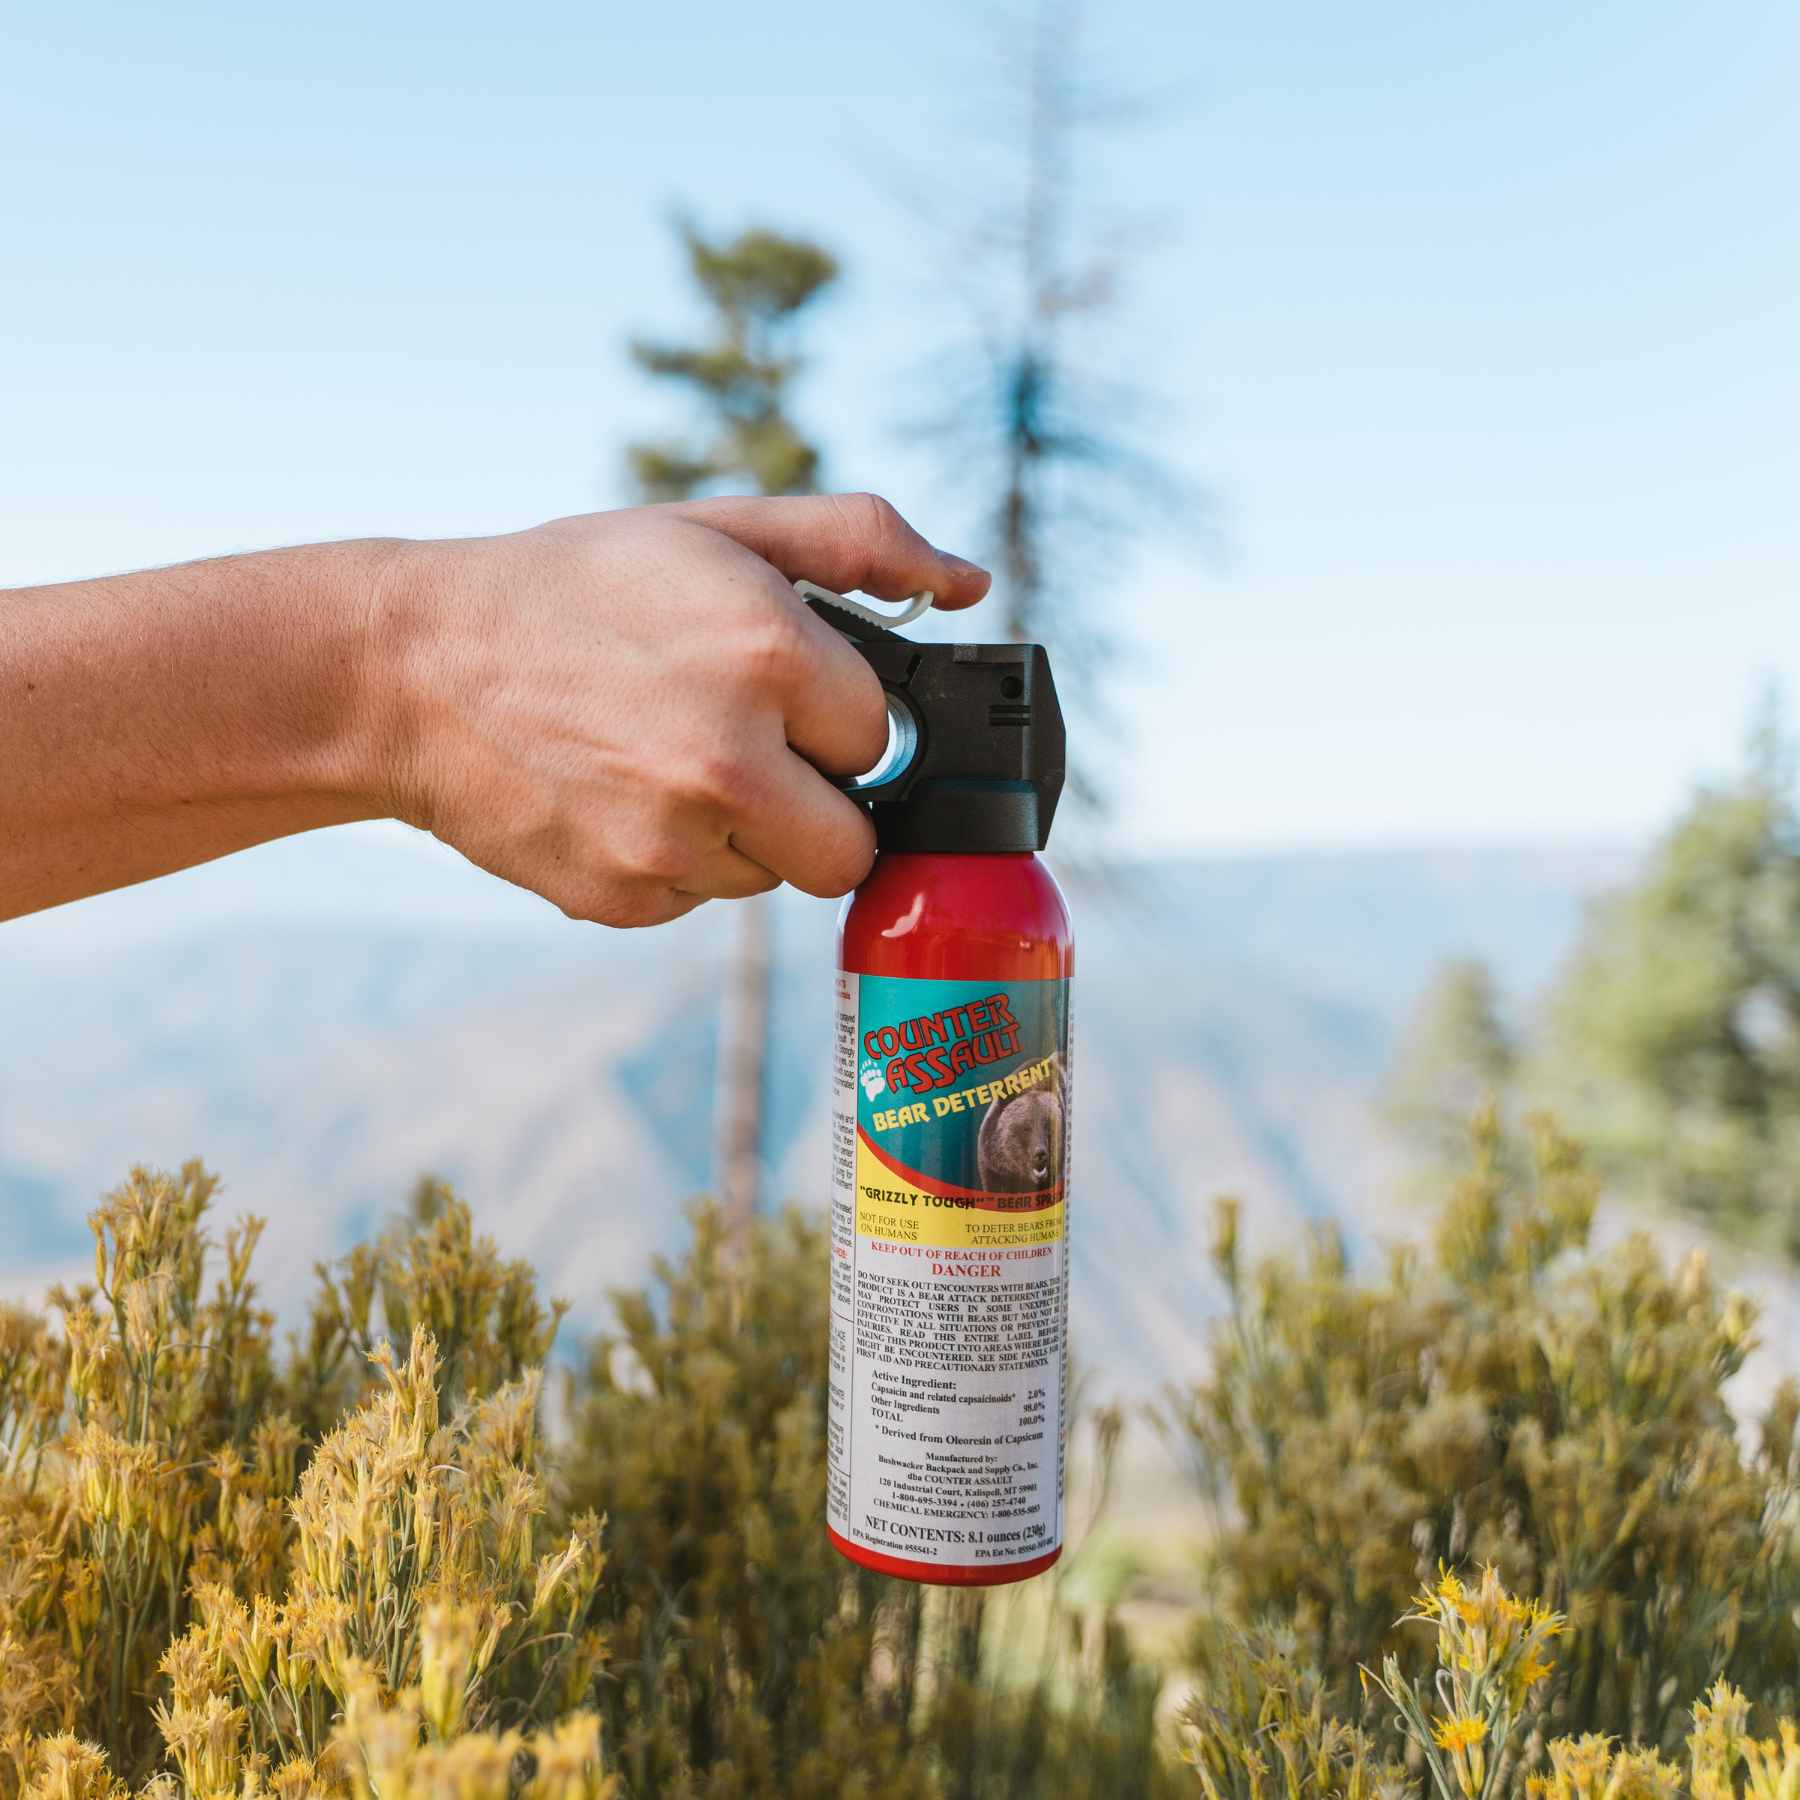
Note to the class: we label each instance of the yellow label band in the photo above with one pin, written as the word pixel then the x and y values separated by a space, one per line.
pixel 888 1206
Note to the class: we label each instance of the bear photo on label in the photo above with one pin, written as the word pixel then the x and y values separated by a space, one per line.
pixel 1019 1148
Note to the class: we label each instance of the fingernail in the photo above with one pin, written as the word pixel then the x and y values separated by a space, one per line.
pixel 962 563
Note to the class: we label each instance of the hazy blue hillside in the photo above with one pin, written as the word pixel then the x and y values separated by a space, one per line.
pixel 1364 927
pixel 326 1018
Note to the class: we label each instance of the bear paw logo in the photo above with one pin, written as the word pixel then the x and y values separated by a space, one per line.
pixel 873 1081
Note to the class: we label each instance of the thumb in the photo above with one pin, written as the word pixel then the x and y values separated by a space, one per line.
pixel 843 541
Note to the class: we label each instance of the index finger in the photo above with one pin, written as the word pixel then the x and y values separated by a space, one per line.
pixel 832 705
pixel 843 541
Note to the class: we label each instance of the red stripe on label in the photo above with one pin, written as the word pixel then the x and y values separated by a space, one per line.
pixel 944 1574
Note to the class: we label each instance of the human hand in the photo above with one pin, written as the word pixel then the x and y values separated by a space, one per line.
pixel 628 712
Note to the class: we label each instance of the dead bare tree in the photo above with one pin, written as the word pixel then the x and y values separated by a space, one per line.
pixel 1057 445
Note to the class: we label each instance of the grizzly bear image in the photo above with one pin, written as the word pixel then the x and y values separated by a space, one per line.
pixel 1020 1145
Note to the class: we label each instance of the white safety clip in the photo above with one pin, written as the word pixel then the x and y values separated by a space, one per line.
pixel 915 608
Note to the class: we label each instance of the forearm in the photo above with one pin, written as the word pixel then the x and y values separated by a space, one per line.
pixel 627 713
pixel 153 721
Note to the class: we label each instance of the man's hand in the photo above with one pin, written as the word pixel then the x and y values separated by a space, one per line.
pixel 626 712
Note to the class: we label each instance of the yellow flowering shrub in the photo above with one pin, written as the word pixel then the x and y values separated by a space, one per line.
pixel 1260 1728
pixel 1515 1398
pixel 351 1566
pixel 345 1568
pixel 1470 1724
pixel 1493 1650
pixel 205 1591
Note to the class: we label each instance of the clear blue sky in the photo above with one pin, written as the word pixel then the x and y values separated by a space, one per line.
pixel 1482 324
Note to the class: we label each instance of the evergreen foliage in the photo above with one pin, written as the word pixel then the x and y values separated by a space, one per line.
pixel 1674 1040
pixel 1456 1058
pixel 1048 431
pixel 755 286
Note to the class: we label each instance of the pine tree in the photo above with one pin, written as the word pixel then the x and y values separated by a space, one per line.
pixel 1674 1039
pixel 756 286
pixel 1456 1057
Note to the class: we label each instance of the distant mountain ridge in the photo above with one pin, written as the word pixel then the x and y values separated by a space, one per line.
pixel 1232 1020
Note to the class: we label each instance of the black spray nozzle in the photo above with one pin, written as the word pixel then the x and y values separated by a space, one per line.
pixel 978 748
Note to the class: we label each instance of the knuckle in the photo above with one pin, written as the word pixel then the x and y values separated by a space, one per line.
pixel 650 847
pixel 871 515
pixel 774 647
pixel 589 903
pixel 652 906
pixel 714 779
pixel 626 905
pixel 617 878
pixel 658 853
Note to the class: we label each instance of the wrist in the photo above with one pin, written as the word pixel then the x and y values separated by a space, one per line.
pixel 316 723
pixel 399 639
pixel 381 605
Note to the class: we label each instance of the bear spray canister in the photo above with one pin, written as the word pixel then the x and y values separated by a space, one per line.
pixel 951 1071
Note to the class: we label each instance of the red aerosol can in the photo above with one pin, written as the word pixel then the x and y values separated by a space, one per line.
pixel 949 1230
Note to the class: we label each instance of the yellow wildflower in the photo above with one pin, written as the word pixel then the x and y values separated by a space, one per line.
pixel 1531 1670
pixel 568 1762
pixel 447 1652
pixel 68 1769
pixel 1460 1732
pixel 1581 1763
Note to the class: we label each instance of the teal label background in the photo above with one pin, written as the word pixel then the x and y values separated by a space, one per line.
pixel 944 1149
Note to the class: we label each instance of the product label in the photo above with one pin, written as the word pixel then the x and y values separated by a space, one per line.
pixel 949 1272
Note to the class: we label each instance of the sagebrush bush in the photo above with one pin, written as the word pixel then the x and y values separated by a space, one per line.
pixel 197 1597
pixel 230 1568
pixel 1259 1728
pixel 226 1569
pixel 1512 1399
pixel 1493 1654
pixel 1470 1722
